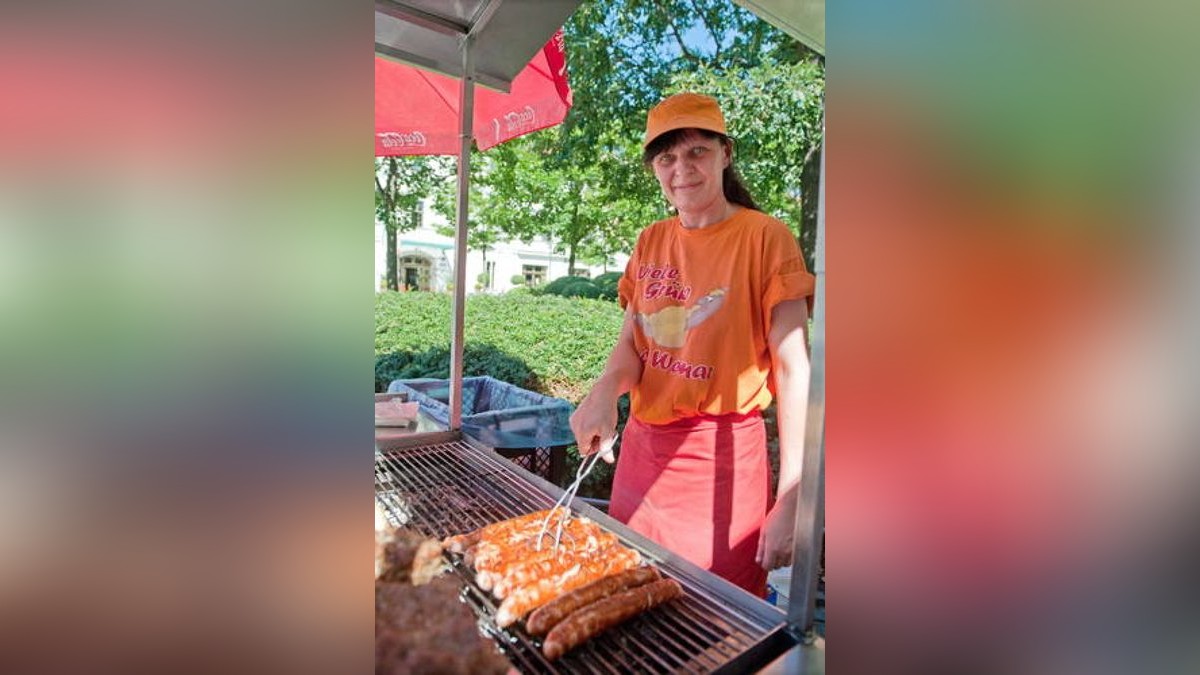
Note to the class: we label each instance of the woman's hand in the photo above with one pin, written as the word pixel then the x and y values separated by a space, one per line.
pixel 776 541
pixel 594 423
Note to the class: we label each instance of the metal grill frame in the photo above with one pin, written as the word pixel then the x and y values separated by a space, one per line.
pixel 452 484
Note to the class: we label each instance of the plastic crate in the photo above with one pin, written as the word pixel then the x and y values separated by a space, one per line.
pixel 532 429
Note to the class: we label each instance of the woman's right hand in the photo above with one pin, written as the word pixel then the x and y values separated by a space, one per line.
pixel 594 423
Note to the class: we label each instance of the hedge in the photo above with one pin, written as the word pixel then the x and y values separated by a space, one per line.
pixel 548 344
pixel 607 283
pixel 572 287
pixel 603 287
pixel 552 345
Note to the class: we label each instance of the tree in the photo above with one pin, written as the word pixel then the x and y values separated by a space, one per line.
pixel 776 111
pixel 583 185
pixel 493 195
pixel 400 185
pixel 624 56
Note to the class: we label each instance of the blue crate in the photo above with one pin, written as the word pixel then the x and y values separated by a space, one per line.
pixel 495 413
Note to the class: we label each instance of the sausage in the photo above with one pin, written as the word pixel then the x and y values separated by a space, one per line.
pixel 586 538
pixel 586 623
pixel 461 542
pixel 525 599
pixel 549 615
pixel 525 572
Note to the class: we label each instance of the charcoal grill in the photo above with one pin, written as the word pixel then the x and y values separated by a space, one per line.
pixel 446 483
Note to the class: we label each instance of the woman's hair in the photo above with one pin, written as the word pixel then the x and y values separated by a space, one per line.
pixel 731 183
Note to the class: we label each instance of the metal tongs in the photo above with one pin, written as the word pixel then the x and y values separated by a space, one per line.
pixel 585 467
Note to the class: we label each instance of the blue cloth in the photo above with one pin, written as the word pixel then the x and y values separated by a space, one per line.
pixel 495 413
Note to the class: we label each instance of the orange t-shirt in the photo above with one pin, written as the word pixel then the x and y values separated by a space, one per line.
pixel 702 302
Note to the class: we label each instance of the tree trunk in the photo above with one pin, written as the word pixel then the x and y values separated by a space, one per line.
pixel 389 223
pixel 393 283
pixel 810 191
pixel 574 231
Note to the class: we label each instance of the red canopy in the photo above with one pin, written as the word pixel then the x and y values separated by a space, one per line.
pixel 416 111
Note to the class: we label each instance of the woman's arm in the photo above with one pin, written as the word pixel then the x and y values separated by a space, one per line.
pixel 595 420
pixel 789 364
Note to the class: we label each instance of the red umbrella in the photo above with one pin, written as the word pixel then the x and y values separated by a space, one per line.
pixel 416 111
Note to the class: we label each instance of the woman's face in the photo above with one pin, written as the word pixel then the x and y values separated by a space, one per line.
pixel 690 172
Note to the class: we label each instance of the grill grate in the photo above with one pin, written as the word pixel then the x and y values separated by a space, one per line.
pixel 448 486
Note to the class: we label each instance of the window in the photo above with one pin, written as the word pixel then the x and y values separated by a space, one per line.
pixel 535 275
pixel 582 272
pixel 418 214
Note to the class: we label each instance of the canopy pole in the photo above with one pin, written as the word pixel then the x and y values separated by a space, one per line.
pixel 810 507
pixel 466 113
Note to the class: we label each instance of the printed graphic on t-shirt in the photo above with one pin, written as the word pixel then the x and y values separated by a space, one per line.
pixel 669 326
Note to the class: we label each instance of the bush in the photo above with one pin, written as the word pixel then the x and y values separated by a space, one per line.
pixel 563 342
pixel 607 283
pixel 572 287
pixel 552 345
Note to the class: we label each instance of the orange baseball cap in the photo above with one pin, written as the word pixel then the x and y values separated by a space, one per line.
pixel 684 111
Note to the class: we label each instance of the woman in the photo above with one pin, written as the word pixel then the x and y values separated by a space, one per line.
pixel 715 321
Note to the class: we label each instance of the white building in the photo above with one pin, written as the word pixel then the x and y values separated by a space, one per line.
pixel 425 261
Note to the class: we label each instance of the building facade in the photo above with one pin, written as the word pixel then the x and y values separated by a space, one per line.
pixel 425 261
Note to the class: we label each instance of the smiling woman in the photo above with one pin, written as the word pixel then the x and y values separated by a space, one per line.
pixel 714 302
pixel 689 173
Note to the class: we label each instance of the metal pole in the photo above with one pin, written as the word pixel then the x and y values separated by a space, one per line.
pixel 810 507
pixel 466 113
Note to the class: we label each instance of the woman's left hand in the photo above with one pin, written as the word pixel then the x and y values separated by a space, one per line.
pixel 776 541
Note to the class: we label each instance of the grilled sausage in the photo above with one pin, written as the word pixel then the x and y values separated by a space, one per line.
pixel 601 615
pixel 527 598
pixel 547 563
pixel 551 614
pixel 461 542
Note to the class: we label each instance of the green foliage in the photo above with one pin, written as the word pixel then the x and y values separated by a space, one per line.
pixel 481 281
pixel 582 186
pixel 626 55
pixel 517 280
pixel 552 345
pixel 607 283
pixel 572 287
pixel 774 113
pixel 564 342
pixel 400 185
pixel 478 359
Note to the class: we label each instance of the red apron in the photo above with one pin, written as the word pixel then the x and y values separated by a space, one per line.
pixel 700 487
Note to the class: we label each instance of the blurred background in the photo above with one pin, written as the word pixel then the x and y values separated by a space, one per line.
pixel 1012 248
pixel 184 330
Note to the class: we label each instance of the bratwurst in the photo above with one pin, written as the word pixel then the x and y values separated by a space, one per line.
pixel 599 616
pixel 550 615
